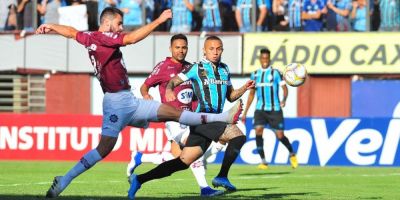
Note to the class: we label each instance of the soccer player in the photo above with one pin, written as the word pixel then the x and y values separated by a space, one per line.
pixel 176 132
pixel 269 106
pixel 120 106
pixel 212 85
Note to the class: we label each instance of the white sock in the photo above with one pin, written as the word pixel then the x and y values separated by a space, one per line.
pixel 193 119
pixel 86 162
pixel 199 172
pixel 213 149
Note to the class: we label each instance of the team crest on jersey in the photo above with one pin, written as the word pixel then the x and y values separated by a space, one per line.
pixel 204 73
pixel 92 47
pixel 113 118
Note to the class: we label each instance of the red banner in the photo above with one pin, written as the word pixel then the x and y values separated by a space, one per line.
pixel 68 137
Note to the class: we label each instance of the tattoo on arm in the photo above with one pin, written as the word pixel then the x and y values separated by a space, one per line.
pixel 174 82
pixel 236 94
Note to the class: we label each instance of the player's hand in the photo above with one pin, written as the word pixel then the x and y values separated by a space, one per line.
pixel 167 14
pixel 148 97
pixel 283 104
pixel 43 29
pixel 169 95
pixel 250 84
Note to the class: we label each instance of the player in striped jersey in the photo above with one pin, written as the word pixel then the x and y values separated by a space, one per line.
pixel 390 15
pixel 212 86
pixel 212 17
pixel 269 106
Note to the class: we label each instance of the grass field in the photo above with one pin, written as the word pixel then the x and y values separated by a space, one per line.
pixel 30 180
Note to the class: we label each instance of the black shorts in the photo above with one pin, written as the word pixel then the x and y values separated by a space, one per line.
pixel 203 135
pixel 273 118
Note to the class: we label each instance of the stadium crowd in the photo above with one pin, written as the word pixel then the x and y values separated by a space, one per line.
pixel 213 15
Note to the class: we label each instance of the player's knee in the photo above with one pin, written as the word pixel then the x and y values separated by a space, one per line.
pixel 184 164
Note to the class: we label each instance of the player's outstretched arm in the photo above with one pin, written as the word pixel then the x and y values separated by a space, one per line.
pixel 169 92
pixel 233 94
pixel 66 31
pixel 143 32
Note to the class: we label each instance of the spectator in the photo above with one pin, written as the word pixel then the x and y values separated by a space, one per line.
pixel 311 15
pixel 358 15
pixel 269 20
pixel 104 4
pixel 149 7
pixel 294 12
pixel 8 17
pixel 280 10
pixel 182 16
pixel 25 9
pixel 341 10
pixel 92 12
pixel 375 16
pixel 211 16
pixel 132 10
pixel 243 15
pixel 227 14
pixel 74 15
pixel 49 11
pixel 159 7
pixel 390 15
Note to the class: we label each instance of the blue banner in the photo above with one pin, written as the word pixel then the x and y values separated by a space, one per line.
pixel 328 141
pixel 375 98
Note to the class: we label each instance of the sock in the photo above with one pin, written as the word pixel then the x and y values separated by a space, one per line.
pixel 86 162
pixel 231 153
pixel 213 149
pixel 199 172
pixel 193 119
pixel 260 148
pixel 287 144
pixel 163 170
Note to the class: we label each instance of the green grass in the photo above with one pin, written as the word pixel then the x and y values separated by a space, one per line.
pixel 30 180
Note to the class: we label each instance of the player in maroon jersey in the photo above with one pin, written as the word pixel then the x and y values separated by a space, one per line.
pixel 120 107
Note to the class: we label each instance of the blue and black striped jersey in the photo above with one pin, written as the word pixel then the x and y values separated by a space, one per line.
pixel 268 82
pixel 210 87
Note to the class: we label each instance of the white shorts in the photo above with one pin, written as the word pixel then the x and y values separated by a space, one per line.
pixel 176 131
pixel 122 109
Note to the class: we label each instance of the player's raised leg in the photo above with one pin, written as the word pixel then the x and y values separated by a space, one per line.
pixel 169 113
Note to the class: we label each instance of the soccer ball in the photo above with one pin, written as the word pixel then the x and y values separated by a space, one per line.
pixel 295 74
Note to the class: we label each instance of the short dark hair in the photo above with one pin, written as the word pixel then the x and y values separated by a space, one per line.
pixel 178 37
pixel 213 37
pixel 110 11
pixel 265 50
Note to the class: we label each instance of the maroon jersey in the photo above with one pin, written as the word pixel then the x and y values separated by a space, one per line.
pixel 106 59
pixel 162 73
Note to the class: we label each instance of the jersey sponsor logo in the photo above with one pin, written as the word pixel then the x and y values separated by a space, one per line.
pixel 215 82
pixel 264 84
pixel 185 96
pixel 331 141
